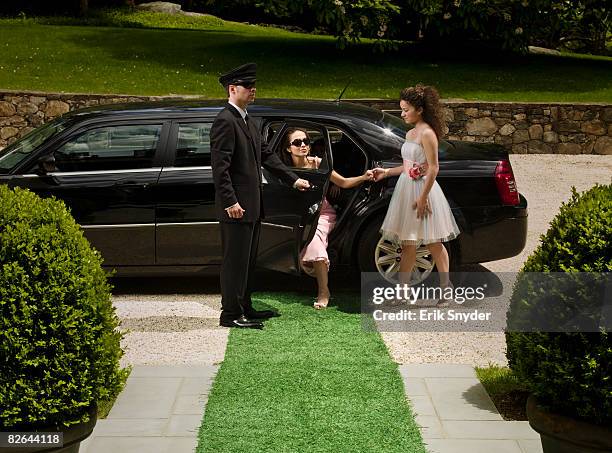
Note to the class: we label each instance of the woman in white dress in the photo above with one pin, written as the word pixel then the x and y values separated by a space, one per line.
pixel 418 211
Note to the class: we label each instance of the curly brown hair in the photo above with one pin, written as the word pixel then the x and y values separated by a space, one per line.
pixel 427 98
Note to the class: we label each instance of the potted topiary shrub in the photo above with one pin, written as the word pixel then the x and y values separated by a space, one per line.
pixel 569 372
pixel 59 343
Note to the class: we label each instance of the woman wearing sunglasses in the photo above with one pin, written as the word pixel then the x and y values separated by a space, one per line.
pixel 295 152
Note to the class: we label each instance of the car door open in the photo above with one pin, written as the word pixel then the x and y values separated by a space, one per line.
pixel 291 215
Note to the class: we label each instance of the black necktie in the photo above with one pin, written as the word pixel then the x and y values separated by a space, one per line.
pixel 246 119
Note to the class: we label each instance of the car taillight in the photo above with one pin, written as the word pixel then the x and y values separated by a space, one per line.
pixel 506 185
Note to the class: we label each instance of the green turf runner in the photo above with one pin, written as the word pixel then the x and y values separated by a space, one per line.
pixel 310 381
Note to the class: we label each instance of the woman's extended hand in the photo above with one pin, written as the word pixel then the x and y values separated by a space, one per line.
pixel 368 175
pixel 379 173
pixel 422 207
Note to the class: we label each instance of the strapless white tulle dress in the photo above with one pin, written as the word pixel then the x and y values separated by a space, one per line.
pixel 401 223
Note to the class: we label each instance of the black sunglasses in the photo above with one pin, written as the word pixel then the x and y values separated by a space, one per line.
pixel 247 85
pixel 299 141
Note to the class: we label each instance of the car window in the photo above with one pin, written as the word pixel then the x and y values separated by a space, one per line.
pixel 316 156
pixel 386 136
pixel 110 148
pixel 392 124
pixel 14 154
pixel 394 134
pixel 193 145
pixel 271 130
pixel 348 158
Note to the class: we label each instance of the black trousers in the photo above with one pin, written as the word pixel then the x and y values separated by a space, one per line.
pixel 239 242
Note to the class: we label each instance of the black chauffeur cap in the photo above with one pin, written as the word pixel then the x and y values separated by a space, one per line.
pixel 239 75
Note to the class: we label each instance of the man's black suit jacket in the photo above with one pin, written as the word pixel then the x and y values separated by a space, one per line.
pixel 237 157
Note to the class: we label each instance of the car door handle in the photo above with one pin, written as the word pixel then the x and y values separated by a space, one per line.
pixel 133 184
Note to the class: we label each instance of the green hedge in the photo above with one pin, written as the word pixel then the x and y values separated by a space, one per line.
pixel 570 373
pixel 59 347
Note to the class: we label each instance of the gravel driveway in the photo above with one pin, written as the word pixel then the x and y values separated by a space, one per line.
pixel 174 320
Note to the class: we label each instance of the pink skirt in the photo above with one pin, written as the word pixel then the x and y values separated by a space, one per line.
pixel 316 250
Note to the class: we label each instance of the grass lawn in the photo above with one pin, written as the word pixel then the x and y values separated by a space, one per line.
pixel 184 55
pixel 310 381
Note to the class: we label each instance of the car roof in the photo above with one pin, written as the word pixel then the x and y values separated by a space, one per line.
pixel 276 107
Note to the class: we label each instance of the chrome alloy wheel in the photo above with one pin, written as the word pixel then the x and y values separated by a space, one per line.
pixel 389 254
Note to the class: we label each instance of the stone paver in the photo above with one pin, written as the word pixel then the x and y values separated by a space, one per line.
pixel 530 446
pixel 465 429
pixel 435 370
pixel 472 446
pixel 146 397
pixel 431 426
pixel 159 411
pixel 456 415
pixel 139 445
pixel 461 399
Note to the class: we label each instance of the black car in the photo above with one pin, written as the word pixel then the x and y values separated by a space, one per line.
pixel 137 177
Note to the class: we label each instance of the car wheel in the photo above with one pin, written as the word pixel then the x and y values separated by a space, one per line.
pixel 383 256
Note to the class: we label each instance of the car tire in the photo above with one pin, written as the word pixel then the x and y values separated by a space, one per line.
pixel 371 248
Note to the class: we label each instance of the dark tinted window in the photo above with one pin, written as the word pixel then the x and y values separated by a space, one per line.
pixel 271 130
pixel 193 145
pixel 110 148
pixel 348 158
pixel 14 154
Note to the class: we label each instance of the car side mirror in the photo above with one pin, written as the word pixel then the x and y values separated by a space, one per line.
pixel 46 164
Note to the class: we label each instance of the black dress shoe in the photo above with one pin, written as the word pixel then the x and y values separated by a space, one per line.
pixel 262 314
pixel 242 322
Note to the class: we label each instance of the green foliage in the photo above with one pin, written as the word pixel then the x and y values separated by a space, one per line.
pixel 580 26
pixel 159 61
pixel 499 380
pixel 348 20
pixel 59 347
pixel 571 373
pixel 507 24
pixel 503 24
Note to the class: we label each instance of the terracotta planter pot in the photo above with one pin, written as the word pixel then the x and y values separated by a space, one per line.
pixel 561 434
pixel 73 436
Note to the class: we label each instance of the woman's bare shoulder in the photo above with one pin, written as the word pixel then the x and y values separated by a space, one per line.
pixel 428 134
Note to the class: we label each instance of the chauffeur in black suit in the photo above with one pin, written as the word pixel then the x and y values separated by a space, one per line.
pixel 237 157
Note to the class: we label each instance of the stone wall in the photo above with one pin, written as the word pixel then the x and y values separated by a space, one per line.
pixel 20 112
pixel 520 127
pixel 527 127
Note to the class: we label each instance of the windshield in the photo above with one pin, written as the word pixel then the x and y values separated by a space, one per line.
pixel 386 135
pixel 394 125
pixel 14 154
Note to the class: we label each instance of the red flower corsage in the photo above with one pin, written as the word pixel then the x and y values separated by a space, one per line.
pixel 417 171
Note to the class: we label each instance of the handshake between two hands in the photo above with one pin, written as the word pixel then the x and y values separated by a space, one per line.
pixel 376 174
